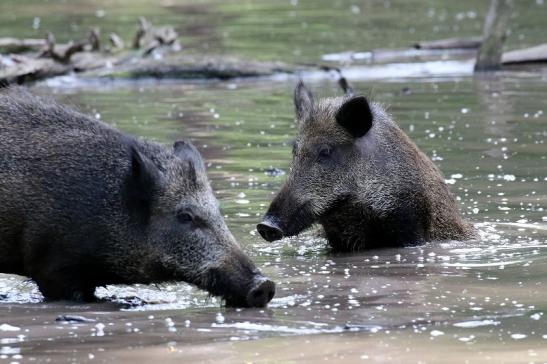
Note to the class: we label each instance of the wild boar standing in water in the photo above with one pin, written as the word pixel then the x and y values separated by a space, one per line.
pixel 355 172
pixel 84 205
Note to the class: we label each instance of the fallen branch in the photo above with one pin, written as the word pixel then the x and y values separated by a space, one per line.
pixel 142 29
pixel 149 38
pixel 451 43
pixel 116 41
pixel 14 45
pixel 61 56
pixel 527 55
pixel 94 39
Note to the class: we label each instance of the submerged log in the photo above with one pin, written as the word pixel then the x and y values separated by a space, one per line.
pixel 495 29
pixel 19 69
pixel 15 45
pixel 451 43
pixel 182 66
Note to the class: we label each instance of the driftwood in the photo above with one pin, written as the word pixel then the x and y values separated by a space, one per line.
pixel 45 58
pixel 19 69
pixel 397 55
pixel 95 39
pixel 14 45
pixel 528 55
pixel 61 54
pixel 182 66
pixel 149 37
pixel 451 43
pixel 143 28
pixel 88 58
pixel 116 41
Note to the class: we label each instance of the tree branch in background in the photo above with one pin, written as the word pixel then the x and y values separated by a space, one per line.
pixel 95 39
pixel 116 41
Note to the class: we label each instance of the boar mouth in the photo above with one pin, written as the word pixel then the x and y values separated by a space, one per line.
pixel 237 291
pixel 236 280
pixel 261 292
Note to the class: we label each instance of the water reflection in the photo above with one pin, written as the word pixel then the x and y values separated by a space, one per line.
pixel 467 296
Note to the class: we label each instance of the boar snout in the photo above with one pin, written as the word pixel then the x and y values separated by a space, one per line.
pixel 261 293
pixel 269 229
pixel 287 216
pixel 239 282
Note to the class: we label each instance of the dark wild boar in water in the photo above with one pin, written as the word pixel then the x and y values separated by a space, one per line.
pixel 355 172
pixel 84 205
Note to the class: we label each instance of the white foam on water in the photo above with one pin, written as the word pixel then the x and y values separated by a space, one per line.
pixel 542 227
pixel 476 323
pixel 479 265
pixel 8 327
pixel 467 250
pixel 278 328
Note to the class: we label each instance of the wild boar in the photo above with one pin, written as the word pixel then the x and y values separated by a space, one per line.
pixel 356 173
pixel 85 205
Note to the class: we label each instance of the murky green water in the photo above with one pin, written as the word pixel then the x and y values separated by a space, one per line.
pixel 482 301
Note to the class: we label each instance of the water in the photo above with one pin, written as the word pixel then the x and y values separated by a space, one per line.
pixel 480 301
pixel 486 134
pixel 299 31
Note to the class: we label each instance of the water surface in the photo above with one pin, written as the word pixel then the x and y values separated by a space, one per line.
pixel 480 301
pixel 486 134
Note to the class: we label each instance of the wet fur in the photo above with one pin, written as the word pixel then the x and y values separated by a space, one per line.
pixel 377 190
pixel 84 205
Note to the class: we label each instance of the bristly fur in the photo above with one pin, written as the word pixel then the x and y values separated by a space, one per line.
pixel 363 180
pixel 85 205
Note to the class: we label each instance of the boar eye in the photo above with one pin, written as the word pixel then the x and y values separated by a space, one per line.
pixel 185 217
pixel 325 152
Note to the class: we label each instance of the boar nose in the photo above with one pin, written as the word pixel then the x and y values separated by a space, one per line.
pixel 269 230
pixel 261 293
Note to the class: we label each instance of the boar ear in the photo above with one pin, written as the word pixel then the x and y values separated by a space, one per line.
pixel 187 152
pixel 303 101
pixel 355 116
pixel 144 180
